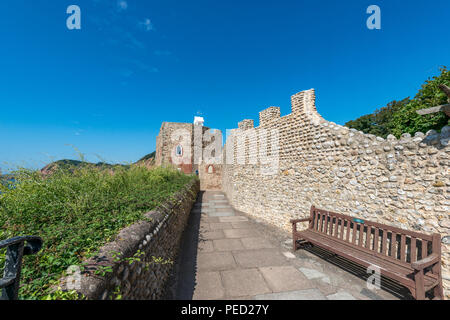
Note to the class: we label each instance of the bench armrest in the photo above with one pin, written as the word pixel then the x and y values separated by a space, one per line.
pixel 295 221
pixel 426 262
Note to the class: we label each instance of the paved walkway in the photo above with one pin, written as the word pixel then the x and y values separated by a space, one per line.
pixel 227 255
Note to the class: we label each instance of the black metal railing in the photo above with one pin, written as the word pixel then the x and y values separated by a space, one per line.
pixel 17 247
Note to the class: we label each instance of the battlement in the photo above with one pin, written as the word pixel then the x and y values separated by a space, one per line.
pixel 268 115
pixel 246 124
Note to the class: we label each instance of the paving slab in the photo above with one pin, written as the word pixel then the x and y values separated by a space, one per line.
pixel 371 294
pixel 308 294
pixel 216 201
pixel 233 219
pixel 208 219
pixel 289 255
pixel 212 235
pixel 208 286
pixel 244 282
pixel 221 214
pixel 240 233
pixel 341 295
pixel 326 280
pixel 325 288
pixel 215 261
pixel 242 225
pixel 257 243
pixel 228 245
pixel 205 246
pixel 285 278
pixel 259 258
pixel 222 206
pixel 220 225
pixel 312 273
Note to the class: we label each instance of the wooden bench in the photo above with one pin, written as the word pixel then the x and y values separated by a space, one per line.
pixel 413 259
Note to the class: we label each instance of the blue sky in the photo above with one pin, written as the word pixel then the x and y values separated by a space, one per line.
pixel 106 88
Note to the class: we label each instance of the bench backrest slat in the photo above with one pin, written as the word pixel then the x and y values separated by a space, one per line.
pixel 368 236
pixel 355 228
pixel 384 243
pixel 361 234
pixel 393 252
pixel 403 248
pixel 336 225
pixel 388 242
pixel 424 249
pixel 413 250
pixel 376 240
pixel 342 228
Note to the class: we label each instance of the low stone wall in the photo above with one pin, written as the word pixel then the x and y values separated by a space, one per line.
pixel 138 264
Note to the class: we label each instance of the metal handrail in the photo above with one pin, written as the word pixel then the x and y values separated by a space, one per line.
pixel 17 247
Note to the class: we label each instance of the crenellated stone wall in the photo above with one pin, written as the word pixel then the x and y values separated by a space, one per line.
pixel 402 182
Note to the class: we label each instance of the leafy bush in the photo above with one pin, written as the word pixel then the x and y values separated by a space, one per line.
pixel 379 122
pixel 400 117
pixel 407 120
pixel 75 212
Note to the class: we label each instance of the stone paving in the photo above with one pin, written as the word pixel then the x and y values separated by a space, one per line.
pixel 227 255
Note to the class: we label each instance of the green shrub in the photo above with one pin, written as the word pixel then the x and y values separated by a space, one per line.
pixel 400 117
pixel 407 120
pixel 75 213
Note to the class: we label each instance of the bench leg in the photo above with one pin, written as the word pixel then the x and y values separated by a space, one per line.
pixel 438 290
pixel 294 243
pixel 420 286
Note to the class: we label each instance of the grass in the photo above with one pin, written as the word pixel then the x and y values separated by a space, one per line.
pixel 75 212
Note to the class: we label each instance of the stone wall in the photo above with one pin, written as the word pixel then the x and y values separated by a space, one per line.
pixel 141 258
pixel 401 182
pixel 167 141
pixel 210 177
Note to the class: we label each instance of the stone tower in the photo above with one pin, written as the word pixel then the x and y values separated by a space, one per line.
pixel 183 145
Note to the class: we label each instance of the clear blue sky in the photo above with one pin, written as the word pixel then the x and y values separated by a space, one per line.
pixel 107 87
